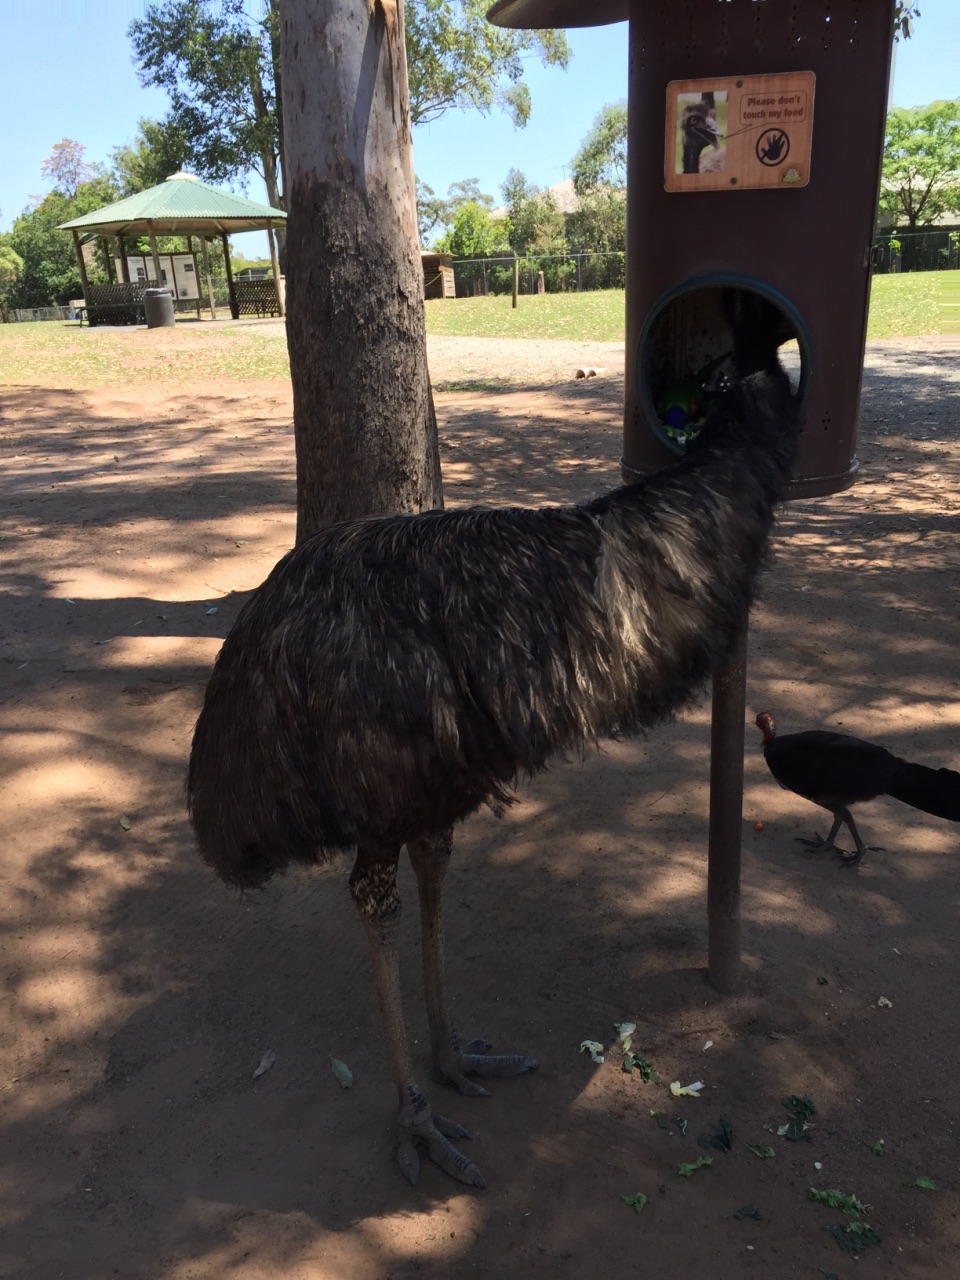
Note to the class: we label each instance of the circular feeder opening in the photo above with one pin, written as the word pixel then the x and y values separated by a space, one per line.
pixel 685 354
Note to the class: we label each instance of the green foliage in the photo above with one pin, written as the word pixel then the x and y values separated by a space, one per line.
pixel 921 163
pixel 635 1201
pixel 474 233
pixel 159 150
pixel 435 211
pixel 799 1108
pixel 455 58
pixel 600 223
pixel 11 267
pixel 534 223
pixel 835 1199
pixel 220 67
pixel 601 160
pixel 688 1170
pixel 50 275
pixel 854 1237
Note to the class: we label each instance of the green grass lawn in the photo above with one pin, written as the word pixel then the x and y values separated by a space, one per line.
pixel 904 306
pixel 581 317
pixel 54 354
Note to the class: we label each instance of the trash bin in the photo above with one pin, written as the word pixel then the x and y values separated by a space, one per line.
pixel 158 305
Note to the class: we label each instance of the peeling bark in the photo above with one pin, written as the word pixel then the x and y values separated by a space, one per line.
pixel 365 432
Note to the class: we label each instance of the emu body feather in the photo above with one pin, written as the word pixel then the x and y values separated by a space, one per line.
pixel 392 675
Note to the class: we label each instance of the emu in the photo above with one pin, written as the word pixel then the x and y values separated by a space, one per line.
pixel 698 126
pixel 391 675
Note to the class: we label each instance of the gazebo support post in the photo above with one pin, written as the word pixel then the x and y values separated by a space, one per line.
pixel 275 261
pixel 726 818
pixel 206 269
pixel 108 255
pixel 194 257
pixel 78 249
pixel 156 255
pixel 122 259
pixel 234 307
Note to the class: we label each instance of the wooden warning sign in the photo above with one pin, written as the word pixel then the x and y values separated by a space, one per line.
pixel 739 132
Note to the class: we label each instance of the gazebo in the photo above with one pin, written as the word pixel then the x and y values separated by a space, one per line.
pixel 180 206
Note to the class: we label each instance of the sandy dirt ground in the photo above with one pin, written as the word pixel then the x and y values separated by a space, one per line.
pixel 139 996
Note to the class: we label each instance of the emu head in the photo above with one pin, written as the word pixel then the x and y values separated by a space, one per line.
pixel 698 125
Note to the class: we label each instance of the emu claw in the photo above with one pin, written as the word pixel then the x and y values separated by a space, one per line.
pixel 434 1133
pixel 476 1060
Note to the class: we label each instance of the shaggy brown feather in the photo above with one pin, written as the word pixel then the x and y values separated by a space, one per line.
pixel 392 675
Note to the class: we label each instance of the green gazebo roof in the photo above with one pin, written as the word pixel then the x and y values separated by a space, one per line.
pixel 182 205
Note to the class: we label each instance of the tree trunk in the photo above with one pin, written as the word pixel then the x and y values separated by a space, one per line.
pixel 365 432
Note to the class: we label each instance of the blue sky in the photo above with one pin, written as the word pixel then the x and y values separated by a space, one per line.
pixel 67 73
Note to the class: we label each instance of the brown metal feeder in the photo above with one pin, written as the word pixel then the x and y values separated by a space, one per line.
pixel 755 139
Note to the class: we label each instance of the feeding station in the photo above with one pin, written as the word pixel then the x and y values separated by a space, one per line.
pixel 754 145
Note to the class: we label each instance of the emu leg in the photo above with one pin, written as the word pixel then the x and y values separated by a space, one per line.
pixel 430 859
pixel 373 886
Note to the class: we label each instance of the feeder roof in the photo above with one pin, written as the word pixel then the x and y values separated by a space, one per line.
pixel 182 205
pixel 538 14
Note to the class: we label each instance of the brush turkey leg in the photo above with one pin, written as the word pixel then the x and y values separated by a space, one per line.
pixel 841 815
pixel 373 886
pixel 430 859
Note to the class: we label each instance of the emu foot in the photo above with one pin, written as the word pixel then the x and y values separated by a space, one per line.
pixel 475 1059
pixel 421 1128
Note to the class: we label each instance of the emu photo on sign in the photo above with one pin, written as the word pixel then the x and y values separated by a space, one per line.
pixel 739 132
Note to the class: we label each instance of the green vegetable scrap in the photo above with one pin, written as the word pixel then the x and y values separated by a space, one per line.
pixel 663 1121
pixel 877 1147
pixel 822 981
pixel 748 1211
pixel 688 1170
pixel 839 1200
pixel 758 1149
pixel 830 1275
pixel 722 1139
pixel 926 1184
pixel 800 1108
pixel 852 1236
pixel 643 1065
pixel 342 1072
pixel 636 1202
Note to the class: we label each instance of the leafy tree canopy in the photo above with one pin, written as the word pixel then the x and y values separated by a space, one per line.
pixel 50 276
pixel 534 221
pixel 601 160
pixel 159 149
pixel 220 66
pixel 599 225
pixel 11 267
pixel 455 58
pixel 435 211
pixel 66 166
pixel 474 233
pixel 921 163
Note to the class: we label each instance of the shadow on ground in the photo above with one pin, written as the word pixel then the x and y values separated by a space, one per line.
pixel 139 995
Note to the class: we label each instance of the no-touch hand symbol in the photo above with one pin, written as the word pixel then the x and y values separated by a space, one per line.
pixel 773 147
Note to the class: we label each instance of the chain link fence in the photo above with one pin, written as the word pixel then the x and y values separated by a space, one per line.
pixel 905 251
pixel 539 273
